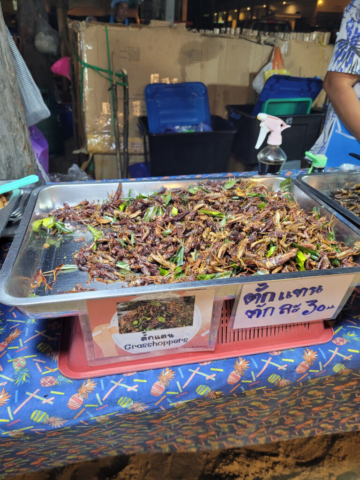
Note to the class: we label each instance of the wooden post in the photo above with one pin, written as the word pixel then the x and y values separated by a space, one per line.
pixel 61 12
pixel 184 10
pixel 16 154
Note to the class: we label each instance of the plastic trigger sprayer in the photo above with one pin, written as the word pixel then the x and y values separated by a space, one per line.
pixel 272 157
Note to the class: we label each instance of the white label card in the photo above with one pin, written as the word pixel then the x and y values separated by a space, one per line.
pixel 290 301
pixel 153 323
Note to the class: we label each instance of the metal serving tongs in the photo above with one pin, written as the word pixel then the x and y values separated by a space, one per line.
pixel 18 213
pixel 23 182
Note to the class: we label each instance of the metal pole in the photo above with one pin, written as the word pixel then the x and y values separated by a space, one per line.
pixel 252 9
pixel 170 11
pixel 126 125
pixel 117 130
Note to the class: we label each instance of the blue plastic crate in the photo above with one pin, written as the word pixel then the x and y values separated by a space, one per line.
pixel 177 104
pixel 139 170
pixel 284 86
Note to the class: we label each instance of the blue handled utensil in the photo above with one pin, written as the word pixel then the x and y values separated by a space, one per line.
pixel 23 182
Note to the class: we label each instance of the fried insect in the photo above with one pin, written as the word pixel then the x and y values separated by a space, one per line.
pixel 348 198
pixel 3 201
pixel 79 288
pixel 38 280
pixel 211 230
pixel 156 315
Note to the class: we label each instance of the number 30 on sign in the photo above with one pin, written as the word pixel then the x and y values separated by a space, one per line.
pixel 295 301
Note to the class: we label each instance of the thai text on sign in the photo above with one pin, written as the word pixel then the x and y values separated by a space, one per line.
pixel 291 301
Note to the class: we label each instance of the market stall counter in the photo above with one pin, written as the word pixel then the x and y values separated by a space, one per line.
pixel 48 420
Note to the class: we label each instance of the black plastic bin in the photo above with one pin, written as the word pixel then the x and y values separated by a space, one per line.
pixel 188 153
pixel 304 131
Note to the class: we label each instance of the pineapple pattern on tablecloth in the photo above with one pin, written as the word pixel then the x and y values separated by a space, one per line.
pixel 48 350
pixel 347 337
pixel 241 365
pixel 165 378
pixel 32 321
pixel 17 433
pixel 309 357
pixel 22 374
pixel 138 407
pixel 76 400
pixel 103 419
pixel 9 339
pixel 215 404
pixel 39 416
pixel 213 395
pixel 4 397
pixel 51 381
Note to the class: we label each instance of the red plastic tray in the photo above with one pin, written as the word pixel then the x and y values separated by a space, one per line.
pixel 230 343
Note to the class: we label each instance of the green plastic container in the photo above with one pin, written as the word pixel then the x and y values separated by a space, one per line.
pixel 287 106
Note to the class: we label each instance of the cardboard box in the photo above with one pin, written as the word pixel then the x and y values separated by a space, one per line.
pixel 106 165
pixel 225 64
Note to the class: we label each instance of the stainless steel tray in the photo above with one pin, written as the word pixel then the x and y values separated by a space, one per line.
pixel 5 213
pixel 323 185
pixel 27 254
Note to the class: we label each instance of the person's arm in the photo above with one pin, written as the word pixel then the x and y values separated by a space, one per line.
pixel 340 88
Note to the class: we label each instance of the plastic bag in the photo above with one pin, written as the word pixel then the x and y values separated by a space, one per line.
pixel 278 65
pixel 34 107
pixel 202 127
pixel 75 174
pixel 62 67
pixel 259 82
pixel 47 40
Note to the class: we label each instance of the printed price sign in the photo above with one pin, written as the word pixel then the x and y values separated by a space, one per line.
pixel 295 301
pixel 159 324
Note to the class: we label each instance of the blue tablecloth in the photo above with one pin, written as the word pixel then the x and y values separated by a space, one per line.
pixel 47 420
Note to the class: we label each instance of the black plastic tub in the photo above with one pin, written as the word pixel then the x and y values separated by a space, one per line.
pixel 188 153
pixel 304 131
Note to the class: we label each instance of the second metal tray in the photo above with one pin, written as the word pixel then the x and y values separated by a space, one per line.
pixel 323 186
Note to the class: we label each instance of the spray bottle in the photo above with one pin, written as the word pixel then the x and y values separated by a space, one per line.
pixel 272 157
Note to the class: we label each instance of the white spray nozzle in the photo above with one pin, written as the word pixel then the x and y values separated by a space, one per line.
pixel 264 130
pixel 270 124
